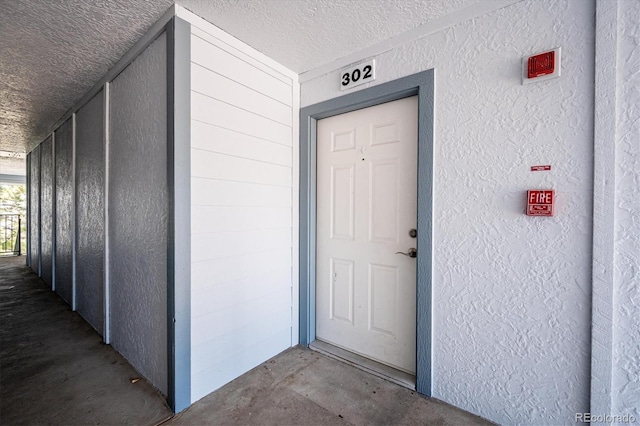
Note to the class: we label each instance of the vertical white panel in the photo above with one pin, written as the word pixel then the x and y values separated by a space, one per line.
pixel 241 217
pixel 295 293
pixel 27 249
pixel 626 319
pixel 107 280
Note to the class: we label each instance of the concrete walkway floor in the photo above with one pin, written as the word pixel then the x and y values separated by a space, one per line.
pixel 55 370
pixel 303 387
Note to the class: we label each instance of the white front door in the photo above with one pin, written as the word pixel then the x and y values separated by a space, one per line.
pixel 366 208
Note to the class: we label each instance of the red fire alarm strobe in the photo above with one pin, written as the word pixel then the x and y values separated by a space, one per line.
pixel 541 66
pixel 540 202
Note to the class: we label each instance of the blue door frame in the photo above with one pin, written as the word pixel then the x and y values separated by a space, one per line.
pixel 421 84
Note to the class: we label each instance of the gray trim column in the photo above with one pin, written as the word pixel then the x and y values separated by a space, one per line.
pixel 179 233
pixel 106 330
pixel 28 218
pixel 424 288
pixel 40 209
pixel 421 84
pixel 54 211
pixel 73 212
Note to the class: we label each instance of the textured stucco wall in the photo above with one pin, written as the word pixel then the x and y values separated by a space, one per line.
pixel 626 330
pixel 90 212
pixel 511 293
pixel 46 208
pixel 64 210
pixel 138 213
pixel 34 209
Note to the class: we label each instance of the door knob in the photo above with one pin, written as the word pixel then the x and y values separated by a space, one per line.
pixel 410 253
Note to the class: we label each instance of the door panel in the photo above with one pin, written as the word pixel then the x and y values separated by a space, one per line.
pixel 367 203
pixel 383 298
pixel 342 290
pixel 383 196
pixel 342 202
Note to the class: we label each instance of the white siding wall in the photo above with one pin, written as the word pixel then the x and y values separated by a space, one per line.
pixel 242 209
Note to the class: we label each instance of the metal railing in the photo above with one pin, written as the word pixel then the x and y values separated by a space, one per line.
pixel 10 234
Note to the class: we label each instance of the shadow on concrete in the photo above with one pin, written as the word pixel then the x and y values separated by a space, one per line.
pixel 54 368
pixel 304 387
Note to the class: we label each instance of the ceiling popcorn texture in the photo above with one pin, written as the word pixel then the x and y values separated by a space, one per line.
pixel 303 35
pixel 53 52
pixel 12 163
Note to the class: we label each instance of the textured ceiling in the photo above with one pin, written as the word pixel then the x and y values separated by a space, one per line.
pixel 304 34
pixel 53 51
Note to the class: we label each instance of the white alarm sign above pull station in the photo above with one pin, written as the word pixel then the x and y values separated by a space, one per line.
pixel 359 74
pixel 541 66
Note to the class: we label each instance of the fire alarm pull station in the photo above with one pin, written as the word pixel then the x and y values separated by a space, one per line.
pixel 540 202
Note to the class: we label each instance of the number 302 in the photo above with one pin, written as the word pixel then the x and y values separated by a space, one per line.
pixel 356 75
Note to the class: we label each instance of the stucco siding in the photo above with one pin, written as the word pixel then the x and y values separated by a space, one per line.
pixel 138 213
pixel 64 211
pixel 47 219
pixel 90 211
pixel 511 293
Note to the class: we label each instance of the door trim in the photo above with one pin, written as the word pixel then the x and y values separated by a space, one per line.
pixel 421 84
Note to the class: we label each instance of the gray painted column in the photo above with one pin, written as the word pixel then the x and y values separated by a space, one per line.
pixel 27 249
pixel 107 280
pixel 73 212
pixel 179 247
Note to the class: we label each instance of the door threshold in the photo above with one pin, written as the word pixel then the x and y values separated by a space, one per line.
pixel 370 366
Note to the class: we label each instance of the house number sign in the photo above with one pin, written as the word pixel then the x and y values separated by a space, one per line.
pixel 358 74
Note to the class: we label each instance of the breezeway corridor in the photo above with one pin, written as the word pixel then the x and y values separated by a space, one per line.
pixel 54 369
pixel 216 186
